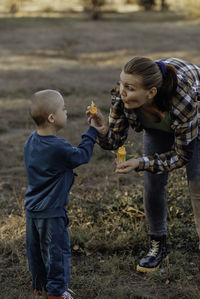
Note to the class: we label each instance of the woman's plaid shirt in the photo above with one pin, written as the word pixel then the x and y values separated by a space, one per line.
pixel 184 115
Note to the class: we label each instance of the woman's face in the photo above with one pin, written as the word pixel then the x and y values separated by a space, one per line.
pixel 133 93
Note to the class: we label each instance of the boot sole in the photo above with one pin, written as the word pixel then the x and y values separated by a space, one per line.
pixel 146 270
pixel 40 297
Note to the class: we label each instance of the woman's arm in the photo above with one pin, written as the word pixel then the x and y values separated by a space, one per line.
pixel 180 154
pixel 118 124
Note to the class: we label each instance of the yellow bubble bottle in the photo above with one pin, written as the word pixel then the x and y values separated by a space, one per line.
pixel 121 154
pixel 93 108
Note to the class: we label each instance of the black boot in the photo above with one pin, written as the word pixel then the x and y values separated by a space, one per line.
pixel 157 253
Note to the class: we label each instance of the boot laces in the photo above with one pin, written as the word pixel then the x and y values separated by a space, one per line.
pixel 154 248
pixel 67 295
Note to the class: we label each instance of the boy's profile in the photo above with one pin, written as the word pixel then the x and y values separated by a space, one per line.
pixel 49 162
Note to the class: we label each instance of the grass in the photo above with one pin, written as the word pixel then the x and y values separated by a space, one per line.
pixel 107 239
pixel 107 223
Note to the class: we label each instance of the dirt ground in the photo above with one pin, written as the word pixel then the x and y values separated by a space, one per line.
pixel 82 59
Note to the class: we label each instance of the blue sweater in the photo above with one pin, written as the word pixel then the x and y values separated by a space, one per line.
pixel 49 162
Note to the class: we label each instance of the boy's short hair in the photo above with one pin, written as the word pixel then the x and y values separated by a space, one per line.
pixel 43 103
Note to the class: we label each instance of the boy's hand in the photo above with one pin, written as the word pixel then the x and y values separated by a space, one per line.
pixel 97 120
pixel 101 129
pixel 127 166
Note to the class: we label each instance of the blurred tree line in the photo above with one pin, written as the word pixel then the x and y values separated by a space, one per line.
pixel 94 7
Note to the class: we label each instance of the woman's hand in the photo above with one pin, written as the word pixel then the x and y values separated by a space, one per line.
pixel 98 121
pixel 127 166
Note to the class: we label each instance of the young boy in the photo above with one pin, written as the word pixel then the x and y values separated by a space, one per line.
pixel 49 163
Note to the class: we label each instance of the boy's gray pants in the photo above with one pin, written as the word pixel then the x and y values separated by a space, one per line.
pixel 155 202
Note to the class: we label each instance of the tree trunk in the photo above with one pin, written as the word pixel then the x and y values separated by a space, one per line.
pixel 164 5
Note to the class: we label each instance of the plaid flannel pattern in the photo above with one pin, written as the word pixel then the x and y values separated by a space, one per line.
pixel 184 115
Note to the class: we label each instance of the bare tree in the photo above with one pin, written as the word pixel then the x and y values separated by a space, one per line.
pixel 147 4
pixel 164 5
pixel 15 5
pixel 94 7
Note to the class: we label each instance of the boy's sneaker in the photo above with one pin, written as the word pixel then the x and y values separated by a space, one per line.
pixel 66 295
pixel 37 294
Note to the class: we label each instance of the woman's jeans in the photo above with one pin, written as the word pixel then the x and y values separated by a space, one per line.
pixel 155 202
pixel 48 252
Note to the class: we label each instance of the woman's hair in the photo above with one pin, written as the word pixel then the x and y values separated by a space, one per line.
pixel 152 76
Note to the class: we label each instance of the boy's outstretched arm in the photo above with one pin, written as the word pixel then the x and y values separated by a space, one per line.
pixel 73 157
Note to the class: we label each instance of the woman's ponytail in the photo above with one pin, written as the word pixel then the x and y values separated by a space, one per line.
pixel 167 90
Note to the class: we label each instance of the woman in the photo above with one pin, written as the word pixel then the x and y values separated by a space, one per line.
pixel 162 98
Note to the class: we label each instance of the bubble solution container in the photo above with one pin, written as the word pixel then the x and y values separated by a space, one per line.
pixel 121 154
